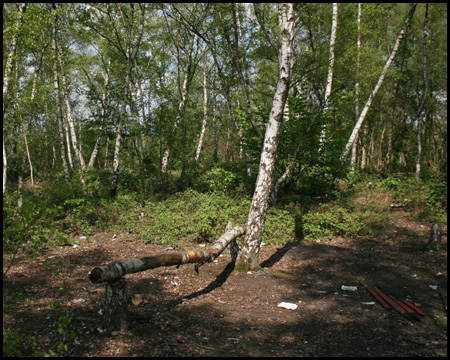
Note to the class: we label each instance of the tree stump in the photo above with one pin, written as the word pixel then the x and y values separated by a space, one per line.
pixel 435 238
pixel 115 314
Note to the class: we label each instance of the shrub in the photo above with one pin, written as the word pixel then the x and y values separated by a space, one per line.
pixel 332 220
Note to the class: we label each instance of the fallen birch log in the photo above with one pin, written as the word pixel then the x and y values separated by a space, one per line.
pixel 116 271
pixel 115 312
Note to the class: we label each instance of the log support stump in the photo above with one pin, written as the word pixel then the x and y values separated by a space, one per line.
pixel 115 313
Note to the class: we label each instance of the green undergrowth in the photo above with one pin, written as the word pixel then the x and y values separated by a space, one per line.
pixel 194 217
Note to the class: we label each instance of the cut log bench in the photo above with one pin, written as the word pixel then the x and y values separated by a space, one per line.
pixel 115 312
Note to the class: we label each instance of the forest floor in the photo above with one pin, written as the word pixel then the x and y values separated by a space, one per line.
pixel 220 312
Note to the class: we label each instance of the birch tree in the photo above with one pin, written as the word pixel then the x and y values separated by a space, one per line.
pixel 377 87
pixel 131 51
pixel 56 89
pixel 425 80
pixel 205 110
pixel 240 69
pixel 7 77
pixel 358 64
pixel 329 80
pixel 249 254
pixel 182 104
pixel 78 156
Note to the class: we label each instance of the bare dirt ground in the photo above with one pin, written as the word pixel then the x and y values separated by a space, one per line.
pixel 219 312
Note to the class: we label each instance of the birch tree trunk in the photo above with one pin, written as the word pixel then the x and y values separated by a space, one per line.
pixel 78 156
pixel 58 99
pixel 182 105
pixel 102 112
pixel 131 52
pixel 242 73
pixel 6 79
pixel 377 87
pixel 249 255
pixel 425 80
pixel 205 111
pixel 358 64
pixel 329 81
pixel 5 164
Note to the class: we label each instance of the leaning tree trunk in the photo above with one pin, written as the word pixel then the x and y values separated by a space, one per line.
pixel 113 272
pixel 205 111
pixel 377 87
pixel 249 255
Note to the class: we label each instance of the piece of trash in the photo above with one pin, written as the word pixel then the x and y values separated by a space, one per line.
pixel 286 305
pixel 174 283
pixel 434 287
pixel 368 303
pixel 439 274
pixel 80 300
pixel 166 249
pixel 76 342
pixel 414 275
pixel 184 299
pixel 82 237
pixel 349 288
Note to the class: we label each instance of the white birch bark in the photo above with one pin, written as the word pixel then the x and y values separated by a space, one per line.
pixel 329 80
pixel 358 60
pixel 6 79
pixel 205 111
pixel 102 111
pixel 58 100
pixel 78 156
pixel 181 106
pixel 425 80
pixel 242 73
pixel 377 87
pixel 249 254
pixel 131 52
pixel 5 164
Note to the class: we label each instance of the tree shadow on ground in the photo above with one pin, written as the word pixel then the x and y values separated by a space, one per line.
pixel 278 255
pixel 218 282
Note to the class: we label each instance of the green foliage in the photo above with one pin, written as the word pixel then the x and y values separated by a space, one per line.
pixel 29 228
pixel 11 342
pixel 332 220
pixel 428 198
pixel 220 180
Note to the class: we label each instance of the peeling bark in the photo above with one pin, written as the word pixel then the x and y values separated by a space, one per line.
pixel 249 254
pixel 112 272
